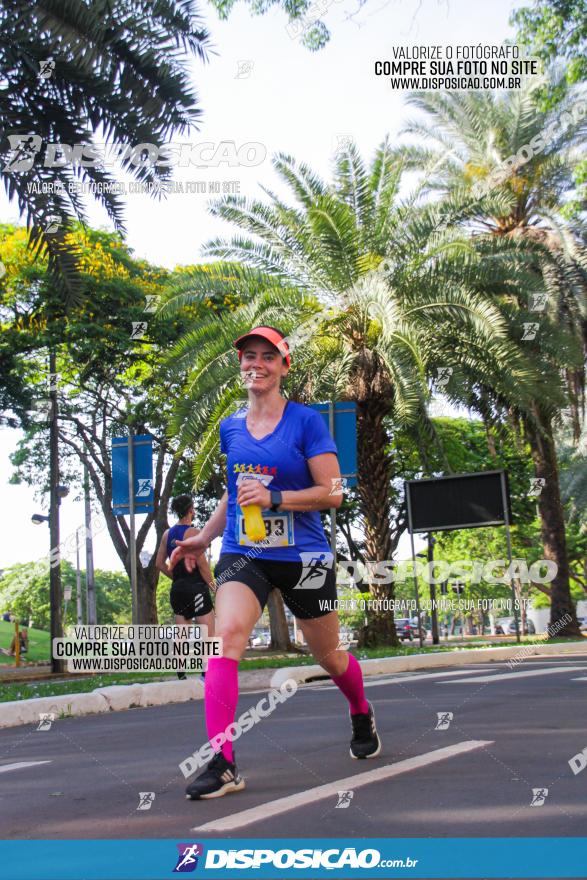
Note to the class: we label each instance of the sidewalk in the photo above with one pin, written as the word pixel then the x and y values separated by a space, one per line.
pixel 25 672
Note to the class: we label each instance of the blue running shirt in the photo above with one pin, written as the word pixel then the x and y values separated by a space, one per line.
pixel 279 460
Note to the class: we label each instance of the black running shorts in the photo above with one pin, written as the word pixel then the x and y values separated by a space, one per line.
pixel 314 598
pixel 190 598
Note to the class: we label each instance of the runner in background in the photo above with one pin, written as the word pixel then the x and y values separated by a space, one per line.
pixel 190 592
pixel 281 459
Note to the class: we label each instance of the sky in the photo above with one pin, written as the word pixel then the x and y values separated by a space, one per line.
pixel 262 87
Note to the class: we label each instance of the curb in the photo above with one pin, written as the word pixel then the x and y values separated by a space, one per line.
pixel 29 711
pixel 118 697
pixel 386 665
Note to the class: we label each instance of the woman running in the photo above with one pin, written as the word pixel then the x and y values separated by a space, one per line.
pixel 190 592
pixel 281 457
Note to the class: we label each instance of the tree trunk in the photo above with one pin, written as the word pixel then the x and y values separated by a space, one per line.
pixel 552 522
pixel 147 579
pixel 522 616
pixel 280 640
pixel 374 479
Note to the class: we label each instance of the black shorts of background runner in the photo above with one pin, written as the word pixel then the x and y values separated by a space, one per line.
pixel 262 575
pixel 190 598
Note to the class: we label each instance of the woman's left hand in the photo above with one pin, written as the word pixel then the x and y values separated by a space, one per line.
pixel 253 492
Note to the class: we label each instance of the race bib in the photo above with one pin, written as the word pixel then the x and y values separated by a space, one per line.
pixel 279 530
pixel 263 478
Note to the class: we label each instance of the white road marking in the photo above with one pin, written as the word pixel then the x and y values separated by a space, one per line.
pixel 510 676
pixel 582 678
pixel 20 765
pixel 550 661
pixel 331 789
pixel 398 679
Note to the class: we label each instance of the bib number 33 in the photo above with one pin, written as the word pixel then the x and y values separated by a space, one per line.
pixel 278 530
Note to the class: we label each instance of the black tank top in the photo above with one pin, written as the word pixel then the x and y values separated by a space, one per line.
pixel 179 571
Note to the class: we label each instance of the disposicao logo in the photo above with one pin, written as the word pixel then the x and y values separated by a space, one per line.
pixel 187 859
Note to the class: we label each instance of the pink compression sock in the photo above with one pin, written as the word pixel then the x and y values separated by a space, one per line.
pixel 351 684
pixel 221 697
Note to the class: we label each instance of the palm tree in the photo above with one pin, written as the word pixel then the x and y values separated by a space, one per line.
pixel 468 138
pixel 368 288
pixel 71 71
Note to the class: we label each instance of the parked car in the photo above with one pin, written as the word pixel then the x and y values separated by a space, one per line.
pixel 508 627
pixel 405 629
pixel 260 639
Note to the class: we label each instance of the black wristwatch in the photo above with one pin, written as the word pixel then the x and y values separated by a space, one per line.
pixel 276 499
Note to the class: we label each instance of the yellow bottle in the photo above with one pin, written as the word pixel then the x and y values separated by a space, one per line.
pixel 254 524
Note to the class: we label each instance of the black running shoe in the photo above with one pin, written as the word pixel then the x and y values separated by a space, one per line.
pixel 221 777
pixel 181 675
pixel 365 742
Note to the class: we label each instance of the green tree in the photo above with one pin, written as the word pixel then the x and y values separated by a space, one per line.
pixel 96 332
pixel 556 30
pixel 467 138
pixel 573 472
pixel 119 72
pixel 459 446
pixel 24 590
pixel 107 381
pixel 105 378
pixel 304 22
pixel 370 289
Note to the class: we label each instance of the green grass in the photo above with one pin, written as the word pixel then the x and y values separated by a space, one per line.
pixel 39 645
pixel 22 690
pixel 25 690
pixel 404 650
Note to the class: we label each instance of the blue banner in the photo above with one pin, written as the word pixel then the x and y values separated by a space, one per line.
pixel 143 466
pixel 345 436
pixel 284 858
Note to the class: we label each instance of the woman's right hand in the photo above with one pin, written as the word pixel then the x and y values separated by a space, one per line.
pixel 188 550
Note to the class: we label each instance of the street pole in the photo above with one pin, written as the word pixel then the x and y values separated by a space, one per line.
pixel 434 612
pixel 416 593
pixel 444 592
pixel 508 537
pixel 92 617
pixel 414 574
pixel 55 591
pixel 131 509
pixel 78 581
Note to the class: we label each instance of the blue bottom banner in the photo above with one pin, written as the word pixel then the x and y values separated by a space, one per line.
pixel 366 858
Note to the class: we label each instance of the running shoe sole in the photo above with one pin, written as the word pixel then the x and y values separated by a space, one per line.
pixel 365 757
pixel 227 788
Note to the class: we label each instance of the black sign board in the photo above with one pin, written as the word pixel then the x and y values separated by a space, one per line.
pixel 464 501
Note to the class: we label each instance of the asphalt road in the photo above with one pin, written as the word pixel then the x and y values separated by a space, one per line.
pixel 511 732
